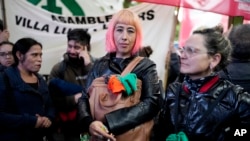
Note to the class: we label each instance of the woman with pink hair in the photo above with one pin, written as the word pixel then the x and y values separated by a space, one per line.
pixel 123 41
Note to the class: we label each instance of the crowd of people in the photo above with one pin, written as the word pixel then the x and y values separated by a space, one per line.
pixel 207 95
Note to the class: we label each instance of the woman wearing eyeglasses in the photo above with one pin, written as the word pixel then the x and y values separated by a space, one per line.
pixel 204 107
pixel 6 57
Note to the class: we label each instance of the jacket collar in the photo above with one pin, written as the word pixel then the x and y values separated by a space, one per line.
pixel 206 86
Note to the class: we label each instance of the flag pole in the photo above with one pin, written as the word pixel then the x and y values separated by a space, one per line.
pixel 172 38
pixel 4 14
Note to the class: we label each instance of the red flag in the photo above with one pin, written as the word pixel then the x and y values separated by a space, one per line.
pixel 192 19
pixel 225 7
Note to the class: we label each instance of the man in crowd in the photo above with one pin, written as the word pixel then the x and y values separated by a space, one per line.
pixel 70 72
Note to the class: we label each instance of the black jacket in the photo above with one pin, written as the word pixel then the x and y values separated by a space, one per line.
pixel 19 104
pixel 120 121
pixel 2 68
pixel 230 114
pixel 238 73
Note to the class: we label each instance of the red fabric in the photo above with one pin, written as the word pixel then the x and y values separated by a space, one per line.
pixel 205 87
pixel 68 116
pixel 114 85
pixel 186 89
pixel 209 84
pixel 225 7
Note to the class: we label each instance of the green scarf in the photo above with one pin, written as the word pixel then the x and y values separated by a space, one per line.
pixel 181 136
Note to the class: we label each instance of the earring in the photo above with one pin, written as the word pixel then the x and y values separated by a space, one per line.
pixel 210 66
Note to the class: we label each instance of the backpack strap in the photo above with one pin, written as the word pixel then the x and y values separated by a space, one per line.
pixel 206 113
pixel 211 108
pixel 131 65
pixel 177 100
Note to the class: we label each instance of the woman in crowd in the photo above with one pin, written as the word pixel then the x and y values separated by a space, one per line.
pixel 26 111
pixel 6 57
pixel 203 106
pixel 123 41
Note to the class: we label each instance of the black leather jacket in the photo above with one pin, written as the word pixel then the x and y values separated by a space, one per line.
pixel 120 121
pixel 231 113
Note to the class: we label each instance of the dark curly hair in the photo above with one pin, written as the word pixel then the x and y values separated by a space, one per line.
pixel 81 36
pixel 216 42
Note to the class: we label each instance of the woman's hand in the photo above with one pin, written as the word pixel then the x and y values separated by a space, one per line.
pixel 77 96
pixel 99 130
pixel 42 122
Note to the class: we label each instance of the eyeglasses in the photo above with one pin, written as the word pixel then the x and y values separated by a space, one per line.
pixel 5 54
pixel 190 51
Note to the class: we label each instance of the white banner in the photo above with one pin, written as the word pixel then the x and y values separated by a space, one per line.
pixel 27 20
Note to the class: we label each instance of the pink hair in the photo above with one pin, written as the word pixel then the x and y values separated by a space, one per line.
pixel 124 16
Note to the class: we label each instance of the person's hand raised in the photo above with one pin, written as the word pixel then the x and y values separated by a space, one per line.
pixel 85 56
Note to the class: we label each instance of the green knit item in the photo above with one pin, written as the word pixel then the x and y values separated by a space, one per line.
pixel 181 136
pixel 129 82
